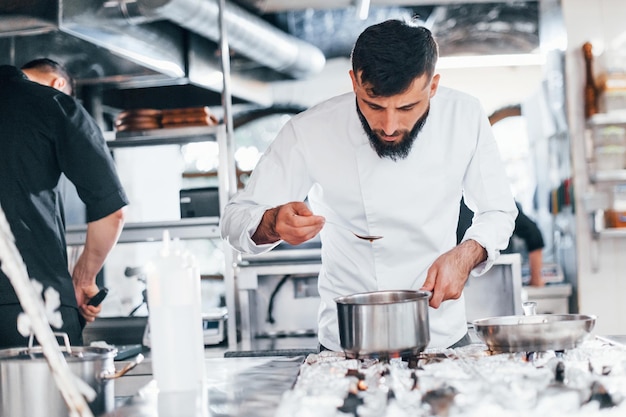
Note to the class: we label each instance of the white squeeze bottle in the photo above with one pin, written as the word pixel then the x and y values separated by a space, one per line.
pixel 175 317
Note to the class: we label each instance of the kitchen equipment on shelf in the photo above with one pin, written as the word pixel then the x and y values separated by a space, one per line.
pixel 387 324
pixel 534 333
pixel 138 119
pixel 188 116
pixel 591 88
pixel 213 325
pixel 28 389
pixel 151 119
pixel 199 202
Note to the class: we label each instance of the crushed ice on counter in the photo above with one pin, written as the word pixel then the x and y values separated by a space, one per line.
pixel 468 382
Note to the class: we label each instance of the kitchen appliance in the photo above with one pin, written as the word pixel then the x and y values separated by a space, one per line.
pixel 199 202
pixel 213 328
pixel 28 388
pixel 391 323
pixel 534 333
pixel 213 325
pixel 277 299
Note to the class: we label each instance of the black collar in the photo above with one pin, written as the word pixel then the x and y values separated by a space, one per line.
pixel 9 72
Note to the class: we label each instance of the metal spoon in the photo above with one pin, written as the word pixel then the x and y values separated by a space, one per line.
pixel 364 237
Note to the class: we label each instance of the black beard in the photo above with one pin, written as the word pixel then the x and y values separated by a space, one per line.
pixel 393 151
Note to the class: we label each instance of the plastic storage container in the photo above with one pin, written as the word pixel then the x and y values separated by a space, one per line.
pixel 610 157
pixel 614 218
pixel 611 135
pixel 616 215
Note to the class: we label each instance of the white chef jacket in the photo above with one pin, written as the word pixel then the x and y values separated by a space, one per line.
pixel 323 153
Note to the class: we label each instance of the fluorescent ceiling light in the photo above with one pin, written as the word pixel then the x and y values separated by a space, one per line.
pixel 509 60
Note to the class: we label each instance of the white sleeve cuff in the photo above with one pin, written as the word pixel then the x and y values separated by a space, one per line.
pixel 484 266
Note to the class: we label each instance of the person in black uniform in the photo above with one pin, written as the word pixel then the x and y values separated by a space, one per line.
pixel 525 229
pixel 45 133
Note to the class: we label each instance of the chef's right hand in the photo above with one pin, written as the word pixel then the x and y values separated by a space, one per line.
pixel 83 295
pixel 446 277
pixel 292 222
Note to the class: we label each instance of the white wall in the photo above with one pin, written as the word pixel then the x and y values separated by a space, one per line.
pixel 496 87
pixel 603 291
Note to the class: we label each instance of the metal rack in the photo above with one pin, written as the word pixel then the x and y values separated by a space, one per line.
pixel 185 228
pixel 170 136
pixel 189 228
pixel 597 176
pixel 600 181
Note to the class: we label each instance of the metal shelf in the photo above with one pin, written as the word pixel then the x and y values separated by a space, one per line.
pixel 189 228
pixel 605 119
pixel 169 136
pixel 598 200
pixel 610 232
pixel 608 176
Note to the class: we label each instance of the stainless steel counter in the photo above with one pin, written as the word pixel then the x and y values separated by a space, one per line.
pixel 236 387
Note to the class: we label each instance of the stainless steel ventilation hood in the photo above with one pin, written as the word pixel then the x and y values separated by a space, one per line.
pixel 137 52
pixel 281 5
pixel 146 43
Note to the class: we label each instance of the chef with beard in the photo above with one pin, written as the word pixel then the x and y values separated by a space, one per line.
pixel 391 158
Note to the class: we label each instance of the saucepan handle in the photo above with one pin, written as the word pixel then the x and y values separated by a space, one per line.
pixel 61 335
pixel 429 294
pixel 138 359
pixel 530 308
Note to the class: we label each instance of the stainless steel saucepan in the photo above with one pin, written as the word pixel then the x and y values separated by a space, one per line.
pixel 28 388
pixel 388 323
pixel 534 333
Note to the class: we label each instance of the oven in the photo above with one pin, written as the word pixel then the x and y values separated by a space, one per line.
pixel 277 293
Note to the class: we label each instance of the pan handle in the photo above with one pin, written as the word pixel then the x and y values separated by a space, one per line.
pixel 58 335
pixel 124 370
pixel 428 294
pixel 530 308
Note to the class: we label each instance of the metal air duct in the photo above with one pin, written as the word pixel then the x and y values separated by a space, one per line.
pixel 247 34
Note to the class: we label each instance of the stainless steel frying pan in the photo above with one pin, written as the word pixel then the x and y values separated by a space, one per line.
pixel 534 333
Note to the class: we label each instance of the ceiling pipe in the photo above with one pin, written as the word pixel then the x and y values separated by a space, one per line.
pixel 362 8
pixel 247 34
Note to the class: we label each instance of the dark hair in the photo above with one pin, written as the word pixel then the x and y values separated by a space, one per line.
pixel 49 65
pixel 392 54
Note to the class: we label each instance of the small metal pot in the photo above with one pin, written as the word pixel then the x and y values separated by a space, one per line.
pixel 27 387
pixel 387 324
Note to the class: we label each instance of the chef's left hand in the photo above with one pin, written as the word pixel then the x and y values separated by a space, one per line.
pixel 446 277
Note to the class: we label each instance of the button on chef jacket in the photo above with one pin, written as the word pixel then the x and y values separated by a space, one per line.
pixel 325 155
